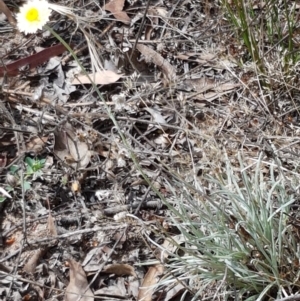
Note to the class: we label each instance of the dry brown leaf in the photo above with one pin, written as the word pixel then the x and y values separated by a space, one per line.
pixel 122 17
pixel 155 58
pixel 104 77
pixel 119 269
pixel 163 140
pixel 3 162
pixel 203 58
pixel 174 291
pixel 148 31
pixel 51 226
pixel 200 84
pixel 80 152
pixel 75 186
pixel 133 287
pixel 153 14
pixel 52 279
pixel 210 96
pixel 226 86
pixel 117 291
pixel 168 246
pixel 40 291
pixel 151 278
pixel 204 84
pixel 36 144
pixel 116 7
pixel 138 182
pixel 157 117
pixel 78 285
pixel 31 264
pixel 161 11
pixel 70 149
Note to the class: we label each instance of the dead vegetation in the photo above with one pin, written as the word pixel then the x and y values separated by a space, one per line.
pixel 90 183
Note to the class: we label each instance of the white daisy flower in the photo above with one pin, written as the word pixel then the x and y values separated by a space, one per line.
pixel 33 16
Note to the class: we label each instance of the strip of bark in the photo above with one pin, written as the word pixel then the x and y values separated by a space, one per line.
pixel 32 61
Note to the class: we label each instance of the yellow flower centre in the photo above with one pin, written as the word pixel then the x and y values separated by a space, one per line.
pixel 32 15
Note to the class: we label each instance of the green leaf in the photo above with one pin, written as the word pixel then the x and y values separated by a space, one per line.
pixel 29 170
pixel 14 168
pixel 43 161
pixel 30 162
pixel 9 188
pixel 27 185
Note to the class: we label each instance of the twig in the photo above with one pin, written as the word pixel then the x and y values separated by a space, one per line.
pixel 140 29
pixel 17 277
pixel 30 221
pixel 83 231
pixel 146 193
pixel 65 235
pixel 7 13
pixel 106 260
pixel 290 298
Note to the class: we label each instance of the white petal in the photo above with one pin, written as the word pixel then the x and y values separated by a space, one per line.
pixel 44 13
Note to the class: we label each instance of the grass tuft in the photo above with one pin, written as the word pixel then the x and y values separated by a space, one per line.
pixel 240 242
pixel 268 32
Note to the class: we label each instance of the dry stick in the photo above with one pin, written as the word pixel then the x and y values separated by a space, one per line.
pixel 24 231
pixel 143 136
pixel 82 231
pixel 64 112
pixel 10 255
pixel 14 130
pixel 17 277
pixel 4 110
pixel 44 100
pixel 290 298
pixel 30 221
pixel 74 115
pixel 140 29
pixel 65 235
pixel 61 110
pixel 146 194
pixel 105 261
pixel 42 285
pixel 15 268
pixel 7 13
pixel 69 56
pixel 164 27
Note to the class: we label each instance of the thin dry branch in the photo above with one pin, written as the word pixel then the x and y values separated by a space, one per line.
pixel 7 13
